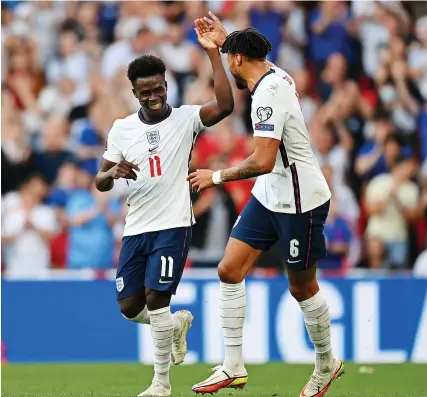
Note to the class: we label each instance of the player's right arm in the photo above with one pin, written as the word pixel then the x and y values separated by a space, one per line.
pixel 113 166
pixel 109 171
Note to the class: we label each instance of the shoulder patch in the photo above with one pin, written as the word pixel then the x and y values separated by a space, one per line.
pixel 264 114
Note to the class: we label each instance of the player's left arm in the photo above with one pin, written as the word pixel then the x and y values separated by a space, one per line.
pixel 213 112
pixel 223 105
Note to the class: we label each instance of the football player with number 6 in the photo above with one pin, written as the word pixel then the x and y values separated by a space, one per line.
pixel 151 149
pixel 289 203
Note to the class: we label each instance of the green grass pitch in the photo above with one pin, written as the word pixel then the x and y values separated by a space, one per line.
pixel 274 379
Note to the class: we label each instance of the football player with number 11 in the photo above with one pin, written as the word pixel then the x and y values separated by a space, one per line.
pixel 151 149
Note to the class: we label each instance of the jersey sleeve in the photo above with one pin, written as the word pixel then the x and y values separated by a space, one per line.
pixel 112 150
pixel 192 113
pixel 197 121
pixel 270 110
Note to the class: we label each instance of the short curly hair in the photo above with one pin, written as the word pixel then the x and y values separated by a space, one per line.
pixel 248 42
pixel 145 66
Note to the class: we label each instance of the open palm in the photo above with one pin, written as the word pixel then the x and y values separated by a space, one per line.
pixel 202 37
pixel 212 29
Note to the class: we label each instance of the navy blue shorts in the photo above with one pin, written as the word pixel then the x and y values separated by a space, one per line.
pixel 301 235
pixel 154 259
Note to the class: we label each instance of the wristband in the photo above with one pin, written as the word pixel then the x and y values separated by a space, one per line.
pixel 216 177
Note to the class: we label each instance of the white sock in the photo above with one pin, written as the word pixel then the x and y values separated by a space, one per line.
pixel 162 332
pixel 143 317
pixel 233 310
pixel 318 323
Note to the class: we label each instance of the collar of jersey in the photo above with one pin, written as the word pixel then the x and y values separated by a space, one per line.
pixel 155 122
pixel 259 81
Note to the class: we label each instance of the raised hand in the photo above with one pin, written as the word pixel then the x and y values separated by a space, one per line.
pixel 212 29
pixel 202 37
pixel 124 169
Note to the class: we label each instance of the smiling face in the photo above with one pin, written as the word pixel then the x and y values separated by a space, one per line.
pixel 151 93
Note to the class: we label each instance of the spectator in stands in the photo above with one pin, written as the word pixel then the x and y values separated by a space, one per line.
pixel 397 90
pixel 309 105
pixel 72 62
pixel 333 75
pixel 371 159
pixel 328 151
pixel 16 154
pixel 417 56
pixel 266 19
pixel 118 55
pixel 347 110
pixel 346 208
pixel 371 30
pixel 180 55
pixel 294 39
pixel 54 152
pixel 331 29
pixel 27 229
pixel 392 203
pixel 91 139
pixel 338 237
pixel 64 186
pixel 24 80
pixel 91 217
pixel 375 256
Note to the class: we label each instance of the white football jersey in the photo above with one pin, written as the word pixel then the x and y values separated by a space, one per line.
pixel 296 184
pixel 160 197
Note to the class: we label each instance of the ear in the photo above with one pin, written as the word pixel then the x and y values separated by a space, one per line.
pixel 166 85
pixel 134 93
pixel 238 60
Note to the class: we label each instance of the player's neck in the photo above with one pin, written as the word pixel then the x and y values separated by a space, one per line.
pixel 256 72
pixel 152 119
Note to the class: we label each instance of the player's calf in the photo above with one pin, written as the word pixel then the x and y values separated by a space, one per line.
pixel 304 287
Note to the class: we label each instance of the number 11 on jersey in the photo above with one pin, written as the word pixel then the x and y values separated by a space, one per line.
pixel 155 167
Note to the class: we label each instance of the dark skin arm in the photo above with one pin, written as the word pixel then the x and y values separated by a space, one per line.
pixel 213 112
pixel 109 171
pixel 260 162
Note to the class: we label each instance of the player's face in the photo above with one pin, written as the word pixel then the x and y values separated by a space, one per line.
pixel 151 93
pixel 234 64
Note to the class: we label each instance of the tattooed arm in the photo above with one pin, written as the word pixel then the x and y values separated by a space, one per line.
pixel 260 162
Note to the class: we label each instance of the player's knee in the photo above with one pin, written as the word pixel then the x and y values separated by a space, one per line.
pixel 229 274
pixel 130 309
pixel 302 292
pixel 157 299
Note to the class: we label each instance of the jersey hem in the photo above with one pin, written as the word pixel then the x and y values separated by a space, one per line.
pixel 156 229
pixel 293 209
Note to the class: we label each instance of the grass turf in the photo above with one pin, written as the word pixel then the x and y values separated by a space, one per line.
pixel 274 379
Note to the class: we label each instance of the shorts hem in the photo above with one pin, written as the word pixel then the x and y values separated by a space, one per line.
pixel 254 246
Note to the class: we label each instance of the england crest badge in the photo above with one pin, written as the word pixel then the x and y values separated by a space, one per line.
pixel 153 137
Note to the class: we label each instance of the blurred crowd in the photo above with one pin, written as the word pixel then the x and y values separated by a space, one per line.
pixel 361 72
